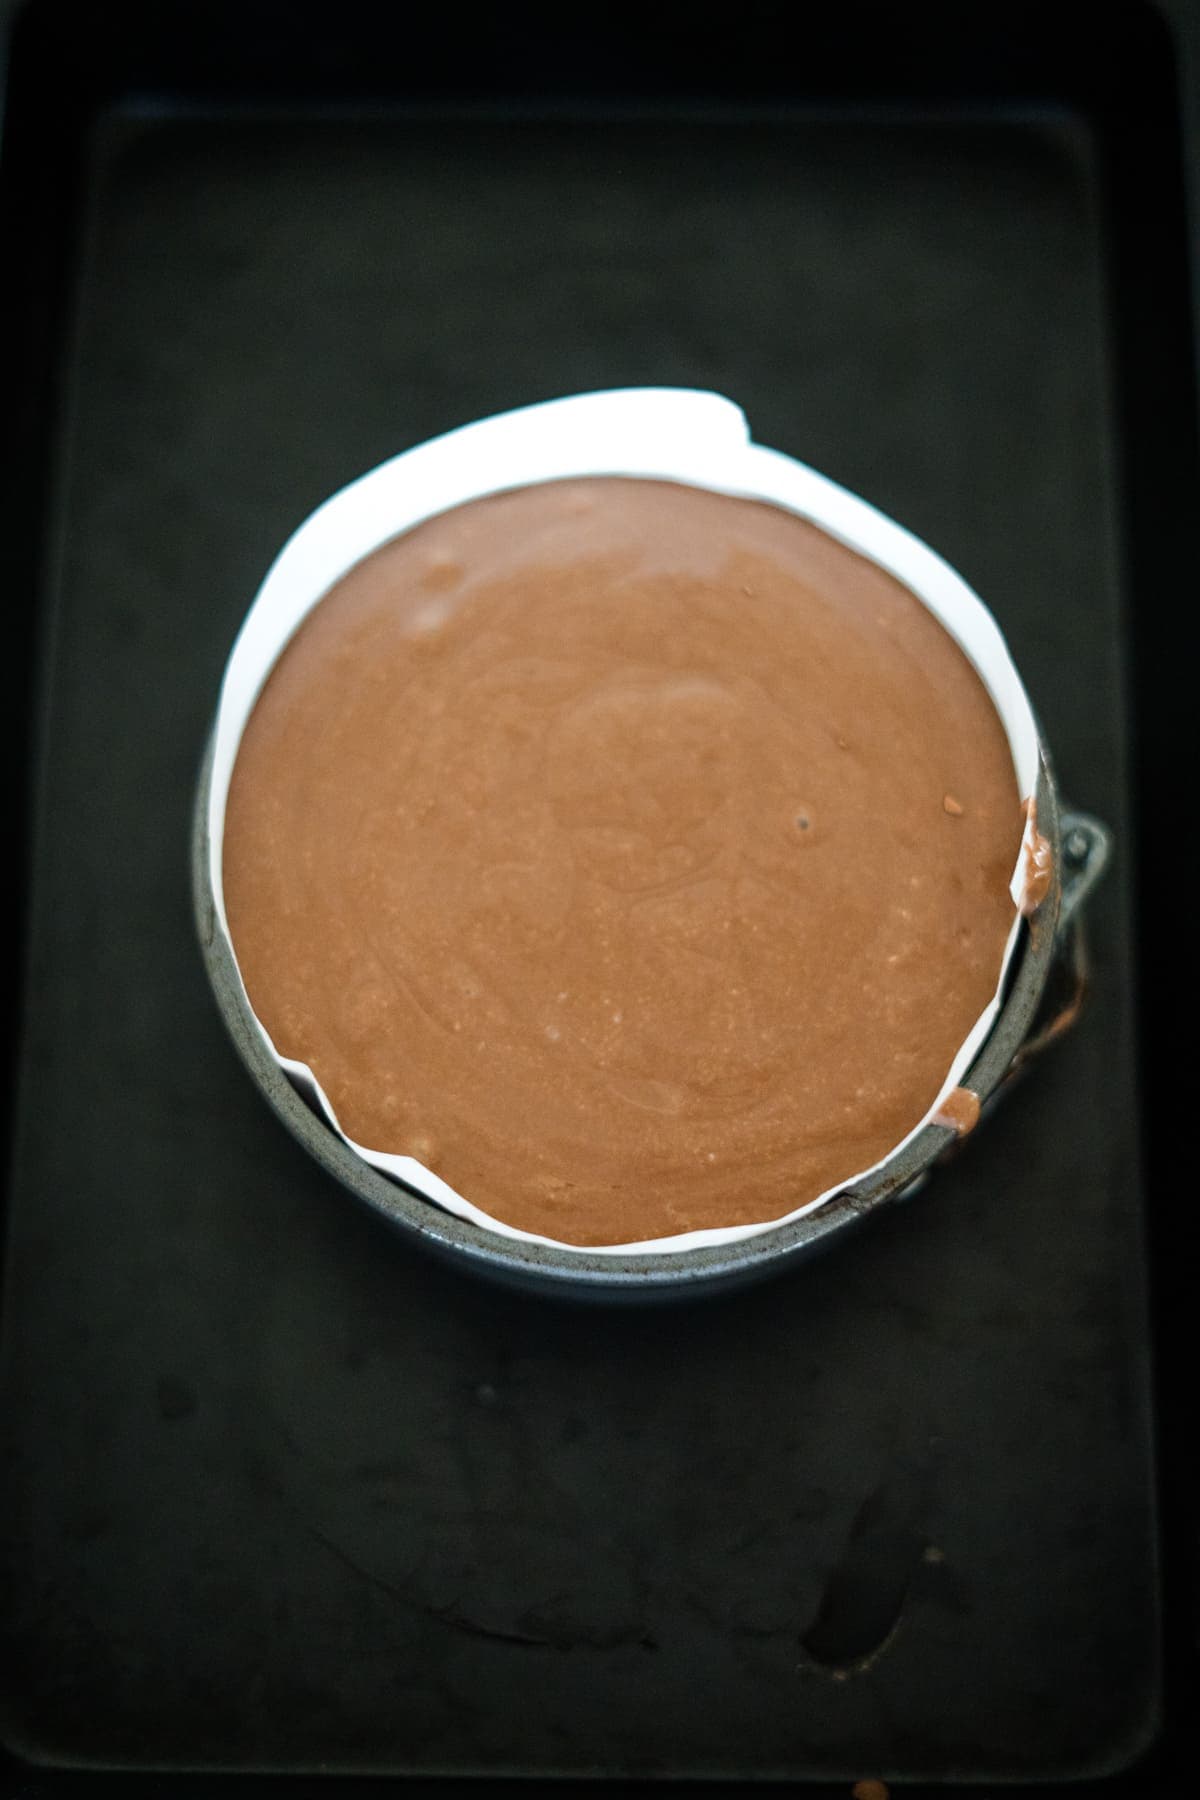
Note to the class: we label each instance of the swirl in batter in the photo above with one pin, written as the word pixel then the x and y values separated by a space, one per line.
pixel 635 857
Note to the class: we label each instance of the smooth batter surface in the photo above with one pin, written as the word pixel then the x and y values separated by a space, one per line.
pixel 635 857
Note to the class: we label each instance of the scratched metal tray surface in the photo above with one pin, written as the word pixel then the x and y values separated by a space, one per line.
pixel 283 1494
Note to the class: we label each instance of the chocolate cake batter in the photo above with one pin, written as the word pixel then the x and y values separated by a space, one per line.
pixel 637 858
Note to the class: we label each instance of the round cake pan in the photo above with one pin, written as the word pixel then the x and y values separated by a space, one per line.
pixel 1043 990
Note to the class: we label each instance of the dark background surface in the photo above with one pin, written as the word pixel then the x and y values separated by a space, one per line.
pixel 281 1494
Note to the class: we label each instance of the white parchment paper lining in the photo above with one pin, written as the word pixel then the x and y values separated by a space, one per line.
pixel 671 433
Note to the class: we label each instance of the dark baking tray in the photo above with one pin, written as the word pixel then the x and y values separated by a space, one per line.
pixel 279 1493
